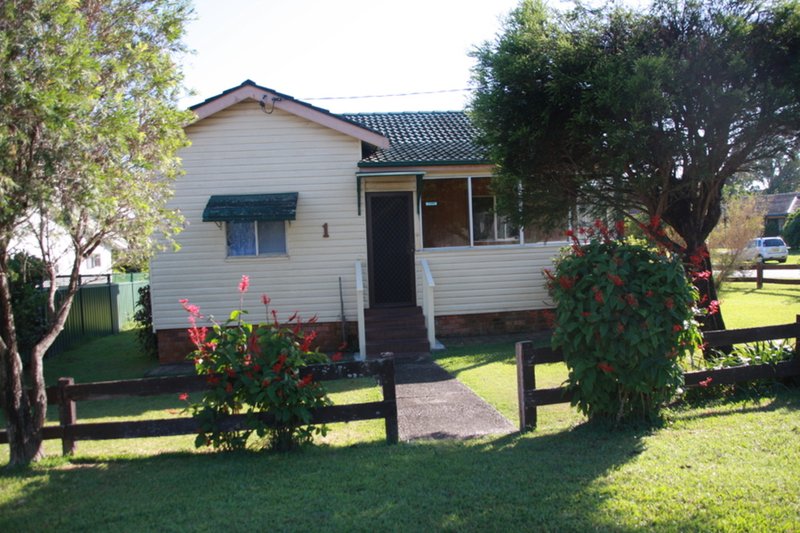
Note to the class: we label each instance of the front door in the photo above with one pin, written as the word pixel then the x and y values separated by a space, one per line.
pixel 390 249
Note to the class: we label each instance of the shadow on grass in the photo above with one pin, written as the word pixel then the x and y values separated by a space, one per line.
pixel 782 397
pixel 531 482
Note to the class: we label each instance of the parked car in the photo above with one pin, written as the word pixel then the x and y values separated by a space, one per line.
pixel 766 249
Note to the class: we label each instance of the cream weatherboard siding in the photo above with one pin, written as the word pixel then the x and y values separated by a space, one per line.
pixel 242 150
pixel 489 279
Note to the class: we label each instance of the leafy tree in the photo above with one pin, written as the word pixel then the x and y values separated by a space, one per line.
pixel 638 112
pixel 791 230
pixel 779 175
pixel 89 128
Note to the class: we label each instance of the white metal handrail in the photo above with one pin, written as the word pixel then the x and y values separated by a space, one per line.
pixel 362 332
pixel 428 307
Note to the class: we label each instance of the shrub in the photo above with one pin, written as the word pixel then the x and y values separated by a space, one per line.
pixel 256 370
pixel 624 318
pixel 144 319
pixel 791 230
pixel 758 353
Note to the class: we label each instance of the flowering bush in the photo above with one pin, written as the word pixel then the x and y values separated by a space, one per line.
pixel 256 370
pixel 624 317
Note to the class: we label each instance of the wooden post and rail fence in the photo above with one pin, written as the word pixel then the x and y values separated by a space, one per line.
pixel 70 430
pixel 528 356
pixel 759 275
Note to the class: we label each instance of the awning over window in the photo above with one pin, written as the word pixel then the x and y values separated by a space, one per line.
pixel 241 207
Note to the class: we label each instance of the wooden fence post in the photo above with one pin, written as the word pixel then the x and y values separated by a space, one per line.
pixel 759 275
pixel 526 380
pixel 390 399
pixel 67 415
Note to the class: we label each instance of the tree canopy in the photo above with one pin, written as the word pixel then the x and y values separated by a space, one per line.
pixel 89 128
pixel 637 112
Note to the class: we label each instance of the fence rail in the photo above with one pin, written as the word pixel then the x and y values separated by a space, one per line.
pixel 528 356
pixel 759 278
pixel 67 393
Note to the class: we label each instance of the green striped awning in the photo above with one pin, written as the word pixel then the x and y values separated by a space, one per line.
pixel 242 207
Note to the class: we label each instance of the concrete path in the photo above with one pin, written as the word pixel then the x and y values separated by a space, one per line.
pixel 432 404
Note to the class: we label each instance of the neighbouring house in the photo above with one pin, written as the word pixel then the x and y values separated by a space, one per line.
pixel 777 208
pixel 380 224
pixel 60 250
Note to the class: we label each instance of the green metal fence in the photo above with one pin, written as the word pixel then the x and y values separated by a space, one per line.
pixel 104 306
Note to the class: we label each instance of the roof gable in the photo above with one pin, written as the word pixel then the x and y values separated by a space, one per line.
pixel 270 99
pixel 781 204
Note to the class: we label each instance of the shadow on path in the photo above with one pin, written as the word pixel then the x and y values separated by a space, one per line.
pixel 432 404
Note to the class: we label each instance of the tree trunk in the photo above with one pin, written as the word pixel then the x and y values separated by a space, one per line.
pixel 24 418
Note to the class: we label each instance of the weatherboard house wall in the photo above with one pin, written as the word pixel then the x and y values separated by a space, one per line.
pixel 251 140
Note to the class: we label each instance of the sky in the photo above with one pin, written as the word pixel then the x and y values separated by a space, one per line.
pixel 311 49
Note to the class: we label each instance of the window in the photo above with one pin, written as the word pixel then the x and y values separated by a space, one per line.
pixel 94 261
pixel 251 238
pixel 461 212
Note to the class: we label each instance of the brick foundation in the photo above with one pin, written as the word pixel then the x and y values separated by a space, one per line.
pixel 174 344
pixel 493 323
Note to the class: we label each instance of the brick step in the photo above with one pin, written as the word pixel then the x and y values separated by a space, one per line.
pixel 397 331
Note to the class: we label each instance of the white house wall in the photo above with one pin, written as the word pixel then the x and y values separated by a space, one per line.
pixel 242 150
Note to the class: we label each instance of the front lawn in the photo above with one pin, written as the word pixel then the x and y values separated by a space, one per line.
pixel 721 466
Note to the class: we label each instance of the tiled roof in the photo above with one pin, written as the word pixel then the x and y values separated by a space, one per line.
pixel 422 138
pixel 781 204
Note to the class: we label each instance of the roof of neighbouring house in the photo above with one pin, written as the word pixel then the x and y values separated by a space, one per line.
pixel 781 204
pixel 422 138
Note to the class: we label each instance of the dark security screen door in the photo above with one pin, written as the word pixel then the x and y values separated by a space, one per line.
pixel 390 249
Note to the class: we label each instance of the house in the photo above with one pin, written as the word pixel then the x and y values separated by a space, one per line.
pixel 777 209
pixel 380 224
pixel 61 251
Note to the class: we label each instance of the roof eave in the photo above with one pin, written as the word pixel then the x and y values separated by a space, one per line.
pixel 453 162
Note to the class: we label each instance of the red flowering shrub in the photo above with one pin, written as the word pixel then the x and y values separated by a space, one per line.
pixel 623 320
pixel 256 370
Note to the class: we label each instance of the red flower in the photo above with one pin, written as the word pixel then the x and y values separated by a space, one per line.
pixel 336 357
pixel 253 346
pixel 549 274
pixel 598 296
pixel 605 367
pixel 649 294
pixel 586 314
pixel 705 274
pixel 569 233
pixel 620 328
pixel 677 327
pixel 706 382
pixel 229 387
pixel 307 340
pixel 212 379
pixel 198 335
pixel 566 282
pixel 713 307
pixel 265 383
pixel 193 310
pixel 669 303
pixel 244 284
pixel 630 299
pixel 265 299
pixel 231 372
pixel 619 226
pixel 183 396
pixel 305 381
pixel 257 367
pixel 616 280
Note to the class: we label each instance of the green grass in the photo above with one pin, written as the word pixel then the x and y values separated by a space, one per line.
pixel 727 466
pixel 744 306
